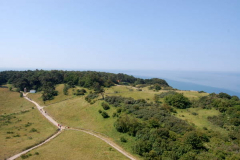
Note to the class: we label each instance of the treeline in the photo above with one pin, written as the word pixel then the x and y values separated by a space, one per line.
pixel 42 80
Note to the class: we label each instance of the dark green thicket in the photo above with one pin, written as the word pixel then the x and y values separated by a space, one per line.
pixel 177 100
pixel 160 135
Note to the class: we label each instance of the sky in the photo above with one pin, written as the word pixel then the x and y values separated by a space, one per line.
pixel 180 35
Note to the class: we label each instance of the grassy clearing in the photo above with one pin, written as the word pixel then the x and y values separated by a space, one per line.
pixel 200 120
pixel 60 97
pixel 80 114
pixel 11 102
pixel 75 145
pixel 128 91
pixel 21 130
pixel 193 94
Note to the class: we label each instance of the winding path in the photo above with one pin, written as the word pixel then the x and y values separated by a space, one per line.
pixel 55 123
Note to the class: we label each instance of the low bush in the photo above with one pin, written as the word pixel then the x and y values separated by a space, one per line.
pixel 105 106
pixel 105 114
pixel 122 139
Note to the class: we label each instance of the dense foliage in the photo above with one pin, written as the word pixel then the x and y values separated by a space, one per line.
pixel 177 100
pixel 42 80
pixel 160 135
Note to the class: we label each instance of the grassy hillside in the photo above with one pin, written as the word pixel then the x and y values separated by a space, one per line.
pixel 75 145
pixel 19 129
pixel 11 102
pixel 198 117
pixel 80 114
pixel 21 125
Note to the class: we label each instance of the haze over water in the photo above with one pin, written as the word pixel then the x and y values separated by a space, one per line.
pixel 200 81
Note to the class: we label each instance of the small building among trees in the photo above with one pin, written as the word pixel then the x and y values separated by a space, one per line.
pixel 33 91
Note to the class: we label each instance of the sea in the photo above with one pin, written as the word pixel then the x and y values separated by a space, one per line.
pixel 210 82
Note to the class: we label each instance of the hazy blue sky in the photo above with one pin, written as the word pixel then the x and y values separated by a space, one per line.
pixel 202 35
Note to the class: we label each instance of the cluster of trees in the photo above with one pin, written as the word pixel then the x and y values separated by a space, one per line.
pixel 161 135
pixel 177 100
pixel 42 80
pixel 228 105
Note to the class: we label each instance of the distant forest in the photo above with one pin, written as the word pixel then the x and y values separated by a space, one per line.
pixel 42 80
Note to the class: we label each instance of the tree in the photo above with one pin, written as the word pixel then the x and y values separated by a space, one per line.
pixel 98 89
pixel 193 139
pixel 157 87
pixel 177 100
pixel 65 89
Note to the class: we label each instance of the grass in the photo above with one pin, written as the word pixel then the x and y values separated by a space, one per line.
pixel 75 145
pixel 80 114
pixel 128 91
pixel 11 102
pixel 21 130
pixel 200 120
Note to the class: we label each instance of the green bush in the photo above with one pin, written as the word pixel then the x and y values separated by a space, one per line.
pixel 80 92
pixel 194 113
pixel 177 100
pixel 105 114
pixel 122 139
pixel 105 106
pixel 33 130
pixel 114 114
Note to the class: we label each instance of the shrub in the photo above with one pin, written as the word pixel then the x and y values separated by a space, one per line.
pixel 164 94
pixel 122 139
pixel 105 114
pixel 119 110
pixel 105 106
pixel 99 111
pixel 33 130
pixel 114 114
pixel 177 100
pixel 193 139
pixel 90 97
pixel 194 113
pixel 24 156
pixel 80 92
